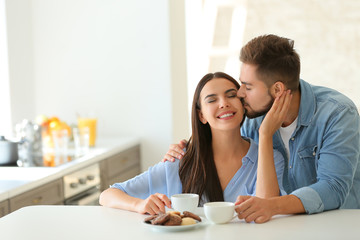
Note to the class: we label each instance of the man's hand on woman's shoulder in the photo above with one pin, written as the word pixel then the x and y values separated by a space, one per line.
pixel 175 151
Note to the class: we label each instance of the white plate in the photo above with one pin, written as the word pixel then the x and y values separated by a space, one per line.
pixel 162 228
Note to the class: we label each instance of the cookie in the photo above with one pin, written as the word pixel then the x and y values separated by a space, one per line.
pixel 160 219
pixel 188 221
pixel 174 213
pixel 148 219
pixel 174 220
pixel 192 215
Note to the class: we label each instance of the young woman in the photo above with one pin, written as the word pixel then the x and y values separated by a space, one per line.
pixel 219 164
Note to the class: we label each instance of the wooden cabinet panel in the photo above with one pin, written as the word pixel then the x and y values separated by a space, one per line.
pixel 130 173
pixel 120 167
pixel 51 193
pixel 123 161
pixel 4 208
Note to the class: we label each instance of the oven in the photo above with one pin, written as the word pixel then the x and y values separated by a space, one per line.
pixel 82 187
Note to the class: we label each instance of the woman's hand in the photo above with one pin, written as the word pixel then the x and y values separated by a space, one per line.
pixel 276 115
pixel 175 151
pixel 154 204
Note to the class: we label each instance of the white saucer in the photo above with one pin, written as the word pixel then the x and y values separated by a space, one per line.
pixel 162 228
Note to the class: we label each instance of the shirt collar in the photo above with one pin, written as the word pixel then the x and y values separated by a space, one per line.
pixel 307 104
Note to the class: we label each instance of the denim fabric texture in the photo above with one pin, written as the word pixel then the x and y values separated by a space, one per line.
pixel 323 169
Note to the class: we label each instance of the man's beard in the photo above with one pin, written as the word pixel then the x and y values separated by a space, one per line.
pixel 255 114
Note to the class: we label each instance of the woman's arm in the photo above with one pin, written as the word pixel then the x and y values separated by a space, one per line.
pixel 115 198
pixel 267 184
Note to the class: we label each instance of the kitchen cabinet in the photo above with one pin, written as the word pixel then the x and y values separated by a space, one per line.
pixel 4 208
pixel 120 167
pixel 118 159
pixel 48 194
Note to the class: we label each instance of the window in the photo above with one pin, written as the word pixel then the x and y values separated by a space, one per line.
pixel 214 35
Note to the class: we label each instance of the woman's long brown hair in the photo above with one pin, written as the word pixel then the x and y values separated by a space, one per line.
pixel 197 170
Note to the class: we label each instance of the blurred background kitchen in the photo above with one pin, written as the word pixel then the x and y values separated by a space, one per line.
pixel 134 64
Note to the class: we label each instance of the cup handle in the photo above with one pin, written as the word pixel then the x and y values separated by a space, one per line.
pixel 235 216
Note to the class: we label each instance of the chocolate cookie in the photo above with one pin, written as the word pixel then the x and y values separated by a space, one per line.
pixel 192 215
pixel 148 219
pixel 160 219
pixel 174 220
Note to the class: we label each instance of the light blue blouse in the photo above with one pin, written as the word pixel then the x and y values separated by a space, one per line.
pixel 164 178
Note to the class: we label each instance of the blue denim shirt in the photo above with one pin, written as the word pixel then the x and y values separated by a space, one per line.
pixel 323 170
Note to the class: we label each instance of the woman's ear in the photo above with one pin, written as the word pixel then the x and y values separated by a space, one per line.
pixel 277 89
pixel 201 117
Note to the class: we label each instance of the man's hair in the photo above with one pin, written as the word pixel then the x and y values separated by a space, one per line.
pixel 275 58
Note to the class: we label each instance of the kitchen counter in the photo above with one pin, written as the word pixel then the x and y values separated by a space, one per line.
pixel 96 222
pixel 16 180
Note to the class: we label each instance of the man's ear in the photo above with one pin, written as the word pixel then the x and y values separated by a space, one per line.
pixel 277 89
pixel 201 117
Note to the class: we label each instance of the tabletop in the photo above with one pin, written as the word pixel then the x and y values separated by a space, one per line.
pixel 96 222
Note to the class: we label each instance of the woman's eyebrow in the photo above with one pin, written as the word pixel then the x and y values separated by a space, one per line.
pixel 231 90
pixel 210 95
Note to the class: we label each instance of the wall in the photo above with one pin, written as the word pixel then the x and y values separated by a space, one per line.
pixel 326 34
pixel 20 51
pixel 110 59
pixel 5 122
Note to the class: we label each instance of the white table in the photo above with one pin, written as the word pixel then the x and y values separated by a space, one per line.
pixel 95 222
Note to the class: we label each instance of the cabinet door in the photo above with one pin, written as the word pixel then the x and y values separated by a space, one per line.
pixel 130 173
pixel 120 167
pixel 48 194
pixel 4 208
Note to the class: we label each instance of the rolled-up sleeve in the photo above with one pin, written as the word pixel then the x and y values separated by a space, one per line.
pixel 142 185
pixel 310 199
pixel 336 166
pixel 160 178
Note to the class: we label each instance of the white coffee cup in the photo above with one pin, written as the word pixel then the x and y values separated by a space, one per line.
pixel 185 202
pixel 219 212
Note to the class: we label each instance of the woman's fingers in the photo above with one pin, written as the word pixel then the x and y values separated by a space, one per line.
pixel 164 199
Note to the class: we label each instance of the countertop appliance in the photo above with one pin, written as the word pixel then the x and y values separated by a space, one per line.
pixel 8 152
pixel 82 187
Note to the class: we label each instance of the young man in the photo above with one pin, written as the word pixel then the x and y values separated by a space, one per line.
pixel 319 139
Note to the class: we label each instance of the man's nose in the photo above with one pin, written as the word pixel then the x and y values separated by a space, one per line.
pixel 241 92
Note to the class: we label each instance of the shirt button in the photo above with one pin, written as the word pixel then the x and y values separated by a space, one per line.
pixel 314 153
pixel 290 166
pixel 292 139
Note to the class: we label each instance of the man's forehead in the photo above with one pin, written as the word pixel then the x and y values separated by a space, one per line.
pixel 248 74
pixel 246 83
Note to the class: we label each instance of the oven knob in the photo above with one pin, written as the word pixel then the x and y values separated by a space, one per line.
pixel 90 177
pixel 82 180
pixel 74 185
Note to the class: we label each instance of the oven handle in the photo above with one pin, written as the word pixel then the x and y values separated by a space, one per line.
pixel 88 199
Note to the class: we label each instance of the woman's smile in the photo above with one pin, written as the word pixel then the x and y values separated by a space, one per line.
pixel 226 115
